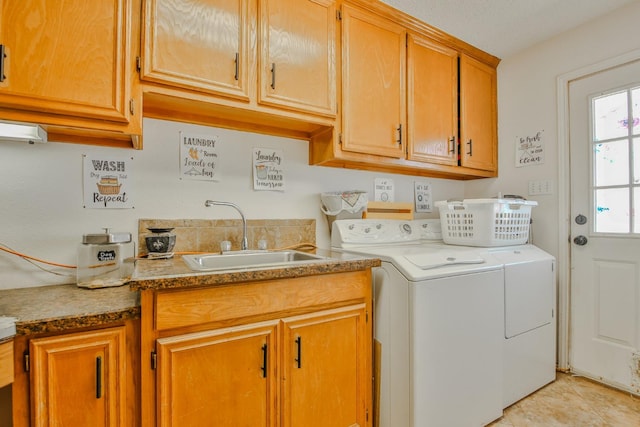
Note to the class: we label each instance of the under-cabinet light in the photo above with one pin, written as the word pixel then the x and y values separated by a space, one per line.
pixel 22 132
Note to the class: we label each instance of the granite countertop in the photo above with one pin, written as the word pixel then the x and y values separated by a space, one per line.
pixel 62 307
pixel 65 307
pixel 174 273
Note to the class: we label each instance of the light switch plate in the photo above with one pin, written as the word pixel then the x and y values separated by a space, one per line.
pixel 540 187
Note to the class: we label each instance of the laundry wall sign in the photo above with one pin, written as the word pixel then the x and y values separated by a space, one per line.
pixel 199 157
pixel 268 170
pixel 107 182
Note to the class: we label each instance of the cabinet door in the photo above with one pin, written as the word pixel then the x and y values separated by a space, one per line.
pixel 78 379
pixel 297 62
pixel 432 98
pixel 325 369
pixel 478 116
pixel 373 84
pixel 219 378
pixel 201 45
pixel 69 58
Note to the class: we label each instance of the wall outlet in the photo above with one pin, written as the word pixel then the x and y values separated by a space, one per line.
pixel 540 187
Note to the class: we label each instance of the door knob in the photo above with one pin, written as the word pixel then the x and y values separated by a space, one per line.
pixel 581 219
pixel 580 240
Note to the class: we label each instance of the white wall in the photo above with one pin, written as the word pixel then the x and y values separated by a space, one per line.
pixel 527 103
pixel 41 211
pixel 42 214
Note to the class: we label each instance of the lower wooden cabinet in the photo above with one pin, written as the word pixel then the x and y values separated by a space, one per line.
pixel 233 376
pixel 290 352
pixel 77 379
pixel 324 366
pixel 6 363
pixel 223 377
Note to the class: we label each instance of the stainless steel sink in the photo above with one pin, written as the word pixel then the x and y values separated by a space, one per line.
pixel 248 260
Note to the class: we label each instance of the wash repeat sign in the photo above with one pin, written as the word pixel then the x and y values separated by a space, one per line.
pixel 107 182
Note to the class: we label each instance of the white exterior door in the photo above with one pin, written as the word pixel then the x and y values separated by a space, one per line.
pixel 604 115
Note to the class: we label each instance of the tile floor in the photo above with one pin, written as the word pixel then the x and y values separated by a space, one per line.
pixel 573 401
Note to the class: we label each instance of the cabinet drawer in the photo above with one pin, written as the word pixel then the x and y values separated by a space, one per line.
pixel 6 363
pixel 266 299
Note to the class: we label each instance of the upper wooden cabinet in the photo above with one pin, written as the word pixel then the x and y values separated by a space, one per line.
pixel 478 116
pixel 409 94
pixel 297 55
pixel 201 45
pixel 373 88
pixel 265 66
pixel 71 65
pixel 432 103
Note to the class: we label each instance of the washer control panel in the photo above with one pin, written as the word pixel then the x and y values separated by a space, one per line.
pixel 383 231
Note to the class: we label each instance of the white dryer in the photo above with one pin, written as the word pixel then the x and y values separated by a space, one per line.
pixel 529 320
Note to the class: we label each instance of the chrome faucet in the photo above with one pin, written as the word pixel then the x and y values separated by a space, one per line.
pixel 245 244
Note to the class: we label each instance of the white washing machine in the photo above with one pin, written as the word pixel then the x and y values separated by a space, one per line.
pixel 438 319
pixel 530 320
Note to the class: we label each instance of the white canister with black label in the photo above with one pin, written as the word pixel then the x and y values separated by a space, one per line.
pixel 100 260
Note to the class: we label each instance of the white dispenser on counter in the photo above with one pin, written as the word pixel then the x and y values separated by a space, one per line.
pixel 100 260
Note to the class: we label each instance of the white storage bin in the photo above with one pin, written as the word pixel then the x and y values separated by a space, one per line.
pixel 343 205
pixel 486 222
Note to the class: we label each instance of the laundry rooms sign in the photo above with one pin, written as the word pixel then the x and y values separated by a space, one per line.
pixel 199 157
pixel 107 182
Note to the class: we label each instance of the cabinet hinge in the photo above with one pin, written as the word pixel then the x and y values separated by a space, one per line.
pixel 154 360
pixel 132 106
pixel 340 138
pixel 27 364
pixel 367 414
pixel 138 63
pixel 339 15
pixel 366 316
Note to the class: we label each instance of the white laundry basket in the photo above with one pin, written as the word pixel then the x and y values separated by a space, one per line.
pixel 486 222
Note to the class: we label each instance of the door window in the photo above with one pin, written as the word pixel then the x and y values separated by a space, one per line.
pixel 615 118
